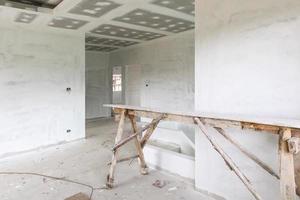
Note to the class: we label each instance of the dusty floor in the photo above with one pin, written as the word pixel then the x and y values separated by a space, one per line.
pixel 86 161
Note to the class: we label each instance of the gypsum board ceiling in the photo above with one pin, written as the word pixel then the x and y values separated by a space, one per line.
pixel 39 3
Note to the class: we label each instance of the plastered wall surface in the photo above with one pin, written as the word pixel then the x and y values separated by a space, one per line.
pixel 98 88
pixel 167 66
pixel 161 75
pixel 166 69
pixel 247 63
pixel 133 84
pixel 35 108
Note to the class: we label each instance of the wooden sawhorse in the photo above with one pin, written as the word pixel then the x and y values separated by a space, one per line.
pixel 289 143
pixel 139 143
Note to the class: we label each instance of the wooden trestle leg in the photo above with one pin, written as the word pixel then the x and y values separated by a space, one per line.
pixel 150 131
pixel 287 173
pixel 231 164
pixel 142 163
pixel 110 176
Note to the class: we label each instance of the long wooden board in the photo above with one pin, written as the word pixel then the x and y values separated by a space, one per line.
pixel 285 128
pixel 222 121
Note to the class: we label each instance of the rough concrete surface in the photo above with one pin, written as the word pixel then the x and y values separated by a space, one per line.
pixel 98 84
pixel 166 72
pixel 35 108
pixel 86 161
pixel 247 63
pixel 161 75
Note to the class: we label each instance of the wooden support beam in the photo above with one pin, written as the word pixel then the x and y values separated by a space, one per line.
pixel 125 159
pixel 110 177
pixel 142 162
pixel 227 159
pixel 153 115
pixel 272 126
pixel 150 126
pixel 131 137
pixel 287 171
pixel 150 131
pixel 145 138
pixel 294 145
pixel 260 127
pixel 248 153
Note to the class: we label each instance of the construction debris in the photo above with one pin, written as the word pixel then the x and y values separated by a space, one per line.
pixel 172 189
pixel 159 184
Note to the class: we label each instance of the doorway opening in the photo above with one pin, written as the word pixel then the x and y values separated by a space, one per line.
pixel 117 85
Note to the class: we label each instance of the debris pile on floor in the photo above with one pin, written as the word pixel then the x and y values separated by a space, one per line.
pixel 159 184
pixel 172 189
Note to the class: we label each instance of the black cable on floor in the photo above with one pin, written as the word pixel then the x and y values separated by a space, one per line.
pixel 57 179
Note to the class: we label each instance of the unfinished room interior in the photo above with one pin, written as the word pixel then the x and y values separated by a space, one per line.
pixel 149 99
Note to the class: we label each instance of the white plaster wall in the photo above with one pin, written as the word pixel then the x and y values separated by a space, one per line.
pixel 167 66
pixel 98 88
pixel 133 84
pixel 117 97
pixel 35 108
pixel 173 136
pixel 247 63
pixel 167 160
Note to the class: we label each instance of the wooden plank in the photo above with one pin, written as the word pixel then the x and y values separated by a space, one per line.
pixel 228 160
pixel 260 127
pixel 248 153
pixel 287 176
pixel 287 173
pixel 294 145
pixel 169 117
pixel 184 119
pixel 261 124
pixel 125 159
pixel 212 122
pixel 110 177
pixel 142 162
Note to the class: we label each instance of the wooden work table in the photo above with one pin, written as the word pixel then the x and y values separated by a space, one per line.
pixel 287 129
pixel 249 122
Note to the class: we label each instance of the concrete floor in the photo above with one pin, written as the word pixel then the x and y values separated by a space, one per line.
pixel 86 161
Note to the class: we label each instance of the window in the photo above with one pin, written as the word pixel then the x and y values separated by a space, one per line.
pixel 117 82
